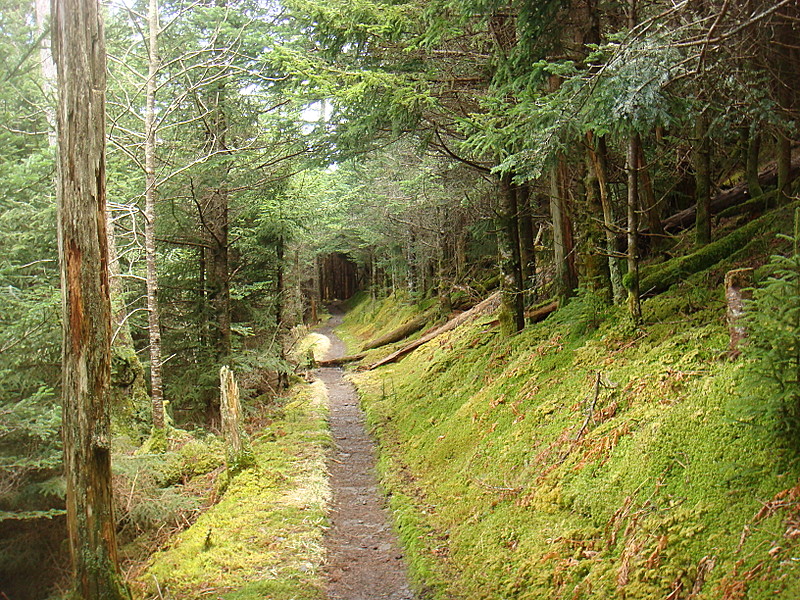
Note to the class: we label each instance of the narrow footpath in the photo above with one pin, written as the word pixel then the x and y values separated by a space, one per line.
pixel 364 558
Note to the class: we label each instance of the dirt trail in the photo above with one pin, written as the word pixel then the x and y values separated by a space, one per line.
pixel 364 559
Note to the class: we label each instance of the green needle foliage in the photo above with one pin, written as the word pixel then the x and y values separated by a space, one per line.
pixel 774 348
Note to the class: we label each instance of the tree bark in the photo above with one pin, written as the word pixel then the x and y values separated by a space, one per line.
pixel 150 192
pixel 510 263
pixel 563 246
pixel 79 52
pixel 652 210
pixel 632 276
pixel 599 156
pixel 527 249
pixel 597 273
pixel 42 9
pixel 219 296
pixel 702 179
pixel 751 161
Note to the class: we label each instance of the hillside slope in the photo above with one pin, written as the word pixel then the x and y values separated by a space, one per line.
pixel 584 458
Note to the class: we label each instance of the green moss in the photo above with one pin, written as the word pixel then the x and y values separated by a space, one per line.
pixel 263 539
pixel 500 491
pixel 658 278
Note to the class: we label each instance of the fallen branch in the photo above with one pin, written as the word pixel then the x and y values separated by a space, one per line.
pixel 489 305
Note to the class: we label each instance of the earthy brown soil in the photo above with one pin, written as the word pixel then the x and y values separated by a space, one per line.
pixel 364 560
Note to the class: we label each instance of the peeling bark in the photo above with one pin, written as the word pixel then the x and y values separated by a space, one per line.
pixel 79 51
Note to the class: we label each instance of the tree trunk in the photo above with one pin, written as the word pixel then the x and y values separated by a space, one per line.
pixel 751 161
pixel 652 210
pixel 599 156
pixel 702 178
pixel 413 271
pixel 527 249
pixel 632 276
pixel 596 264
pixel 280 293
pixel 42 8
pixel 153 320
pixel 219 296
pixel 128 395
pixel 563 246
pixel 79 52
pixel 510 266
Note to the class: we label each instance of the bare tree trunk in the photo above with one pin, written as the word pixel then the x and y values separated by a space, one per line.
pixel 651 208
pixel 632 276
pixel 280 293
pixel 79 51
pixel 42 8
pixel 217 221
pixel 129 399
pixel 600 159
pixel 563 247
pixel 153 320
pixel 527 249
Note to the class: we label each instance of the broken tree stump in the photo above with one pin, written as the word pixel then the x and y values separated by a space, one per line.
pixel 238 452
pixel 736 283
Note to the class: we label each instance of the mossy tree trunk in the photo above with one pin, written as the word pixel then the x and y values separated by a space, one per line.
pixel 596 263
pixel 752 151
pixel 79 52
pixel 787 62
pixel 702 180
pixel 510 262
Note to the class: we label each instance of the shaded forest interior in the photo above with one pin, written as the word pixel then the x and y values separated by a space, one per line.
pixel 510 164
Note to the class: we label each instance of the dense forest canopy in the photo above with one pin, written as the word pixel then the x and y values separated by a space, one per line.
pixel 264 157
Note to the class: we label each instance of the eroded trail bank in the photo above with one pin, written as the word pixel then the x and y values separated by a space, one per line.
pixel 364 559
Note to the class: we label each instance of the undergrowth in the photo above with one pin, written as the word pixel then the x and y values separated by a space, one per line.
pixel 583 457
pixel 263 538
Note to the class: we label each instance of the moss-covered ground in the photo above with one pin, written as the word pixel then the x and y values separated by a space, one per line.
pixel 583 457
pixel 263 539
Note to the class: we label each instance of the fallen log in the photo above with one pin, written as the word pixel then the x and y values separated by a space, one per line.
pixel 659 278
pixel 489 305
pixel 730 197
pixel 342 360
pixel 401 333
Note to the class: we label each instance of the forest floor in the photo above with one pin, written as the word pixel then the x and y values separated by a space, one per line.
pixel 364 560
